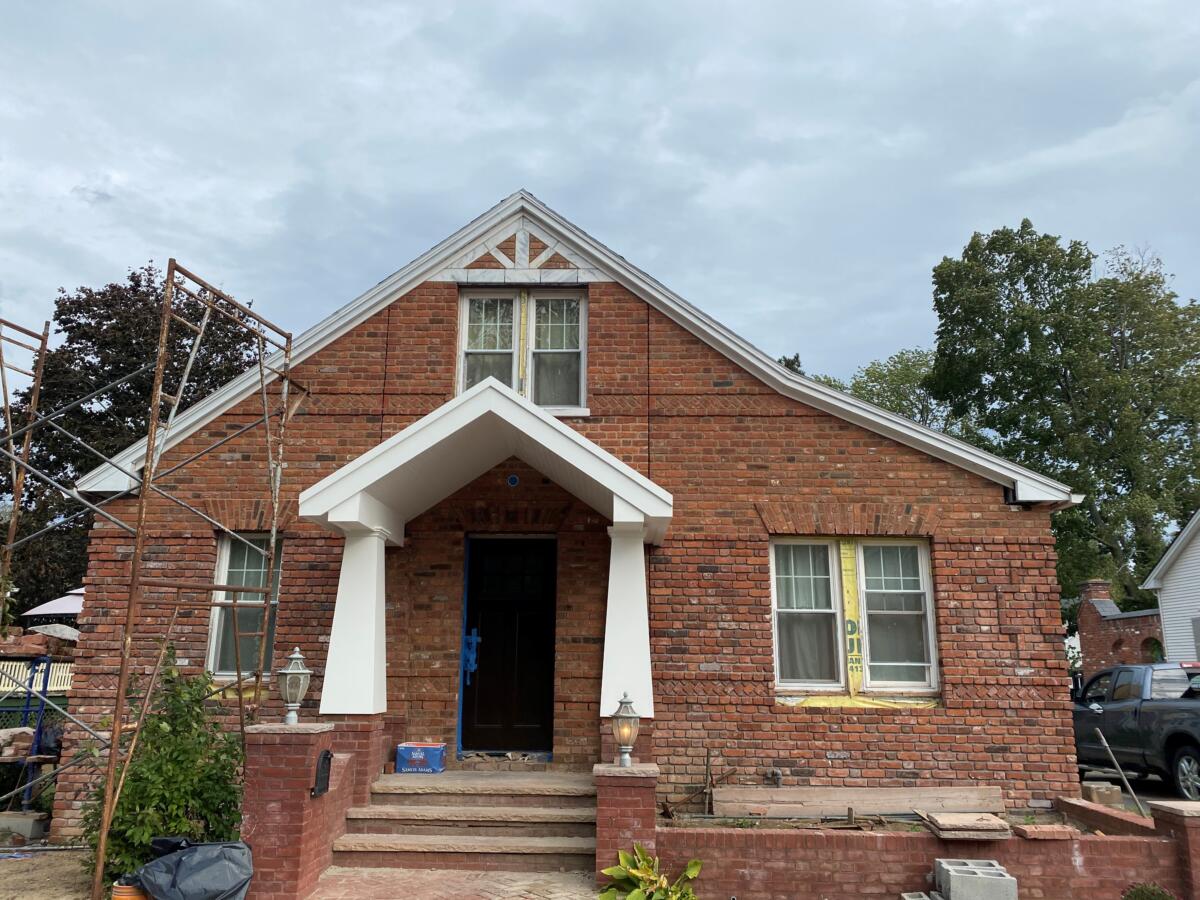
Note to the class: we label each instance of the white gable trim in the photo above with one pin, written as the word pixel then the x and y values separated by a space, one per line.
pixel 1189 533
pixel 523 208
pixel 628 496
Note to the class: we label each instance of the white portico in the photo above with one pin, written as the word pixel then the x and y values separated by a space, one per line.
pixel 370 499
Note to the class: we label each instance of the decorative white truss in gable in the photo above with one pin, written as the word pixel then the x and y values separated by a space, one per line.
pixel 518 251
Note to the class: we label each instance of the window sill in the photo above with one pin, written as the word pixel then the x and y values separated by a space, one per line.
pixel 568 412
pixel 793 698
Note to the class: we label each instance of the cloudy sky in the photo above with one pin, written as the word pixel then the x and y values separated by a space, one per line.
pixel 795 169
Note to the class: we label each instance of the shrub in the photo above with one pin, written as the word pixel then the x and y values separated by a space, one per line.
pixel 1147 892
pixel 637 877
pixel 183 777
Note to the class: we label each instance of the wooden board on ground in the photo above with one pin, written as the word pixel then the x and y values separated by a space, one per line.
pixel 739 801
pixel 965 826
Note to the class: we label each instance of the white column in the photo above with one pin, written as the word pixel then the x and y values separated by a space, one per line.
pixel 627 624
pixel 356 667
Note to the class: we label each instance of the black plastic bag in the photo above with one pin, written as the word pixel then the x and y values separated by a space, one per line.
pixel 198 872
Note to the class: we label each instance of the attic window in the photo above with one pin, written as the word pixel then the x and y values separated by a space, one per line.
pixel 534 341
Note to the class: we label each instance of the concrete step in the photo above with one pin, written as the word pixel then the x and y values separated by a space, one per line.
pixel 427 851
pixel 507 789
pixel 525 821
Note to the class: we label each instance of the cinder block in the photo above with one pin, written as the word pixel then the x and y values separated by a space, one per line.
pixel 1108 794
pixel 915 895
pixel 989 882
pixel 942 867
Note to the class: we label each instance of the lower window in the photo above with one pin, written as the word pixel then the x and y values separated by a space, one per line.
pixel 876 632
pixel 242 562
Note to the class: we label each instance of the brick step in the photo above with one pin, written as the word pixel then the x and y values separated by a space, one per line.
pixel 525 821
pixel 506 789
pixel 427 851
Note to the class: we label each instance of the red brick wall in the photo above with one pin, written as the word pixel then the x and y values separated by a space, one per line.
pixel 742 462
pixel 1106 642
pixel 788 864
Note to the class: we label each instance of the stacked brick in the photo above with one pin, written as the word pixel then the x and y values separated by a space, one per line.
pixel 742 462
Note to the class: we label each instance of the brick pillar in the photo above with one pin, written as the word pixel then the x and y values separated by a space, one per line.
pixel 1095 589
pixel 1180 821
pixel 626 812
pixel 286 828
pixel 362 737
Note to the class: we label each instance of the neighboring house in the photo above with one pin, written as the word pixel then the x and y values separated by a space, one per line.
pixel 1109 637
pixel 522 444
pixel 1176 581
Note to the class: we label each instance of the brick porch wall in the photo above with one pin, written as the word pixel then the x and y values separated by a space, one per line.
pixel 743 463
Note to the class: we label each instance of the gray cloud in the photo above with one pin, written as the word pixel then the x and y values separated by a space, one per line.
pixel 793 169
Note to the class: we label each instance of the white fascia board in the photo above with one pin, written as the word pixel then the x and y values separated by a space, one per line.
pixel 1027 485
pixel 1154 580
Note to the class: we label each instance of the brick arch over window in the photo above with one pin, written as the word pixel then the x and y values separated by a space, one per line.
pixel 890 519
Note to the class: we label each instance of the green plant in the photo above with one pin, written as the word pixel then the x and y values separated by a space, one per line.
pixel 637 877
pixel 182 778
pixel 1148 891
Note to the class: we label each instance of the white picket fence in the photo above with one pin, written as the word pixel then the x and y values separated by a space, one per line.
pixel 60 676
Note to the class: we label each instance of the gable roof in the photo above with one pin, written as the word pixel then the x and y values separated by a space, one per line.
pixel 1186 535
pixel 523 209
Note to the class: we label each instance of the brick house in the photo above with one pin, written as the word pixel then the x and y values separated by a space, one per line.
pixel 529 479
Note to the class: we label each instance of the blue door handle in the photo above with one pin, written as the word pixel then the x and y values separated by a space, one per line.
pixel 470 653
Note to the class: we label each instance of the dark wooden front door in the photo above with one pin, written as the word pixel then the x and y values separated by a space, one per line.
pixel 508 698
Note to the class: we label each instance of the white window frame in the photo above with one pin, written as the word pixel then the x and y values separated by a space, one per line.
pixel 530 340
pixel 221 603
pixel 864 626
pixel 835 586
pixel 465 296
pixel 524 339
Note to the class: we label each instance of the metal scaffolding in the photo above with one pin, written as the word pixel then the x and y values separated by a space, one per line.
pixel 189 307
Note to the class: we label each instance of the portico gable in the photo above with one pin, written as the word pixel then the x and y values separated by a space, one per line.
pixel 370 500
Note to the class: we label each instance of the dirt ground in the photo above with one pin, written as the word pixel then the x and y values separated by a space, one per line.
pixel 42 875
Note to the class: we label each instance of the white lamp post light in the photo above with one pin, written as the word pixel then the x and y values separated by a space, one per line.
pixel 293 685
pixel 625 725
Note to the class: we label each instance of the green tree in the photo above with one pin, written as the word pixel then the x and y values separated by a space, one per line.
pixel 101 335
pixel 1091 377
pixel 793 364
pixel 898 384
pixel 182 779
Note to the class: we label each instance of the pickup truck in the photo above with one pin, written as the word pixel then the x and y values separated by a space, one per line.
pixel 1150 716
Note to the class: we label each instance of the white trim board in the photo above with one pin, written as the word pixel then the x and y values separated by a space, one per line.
pixel 525 210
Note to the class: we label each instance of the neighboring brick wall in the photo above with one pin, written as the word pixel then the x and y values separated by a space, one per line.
pixel 741 461
pixel 1108 637
pixel 811 864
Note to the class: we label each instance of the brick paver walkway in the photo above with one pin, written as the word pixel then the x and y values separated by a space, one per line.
pixel 436 884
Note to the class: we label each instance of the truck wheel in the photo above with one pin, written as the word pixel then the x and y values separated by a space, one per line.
pixel 1185 772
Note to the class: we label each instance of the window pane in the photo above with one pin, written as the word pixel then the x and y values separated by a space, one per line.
pixel 556 324
pixel 484 365
pixel 896 638
pixel 897 601
pixel 807 646
pixel 1172 684
pixel 917 674
pixel 895 568
pixel 249 620
pixel 802 577
pixel 556 379
pixel 490 323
